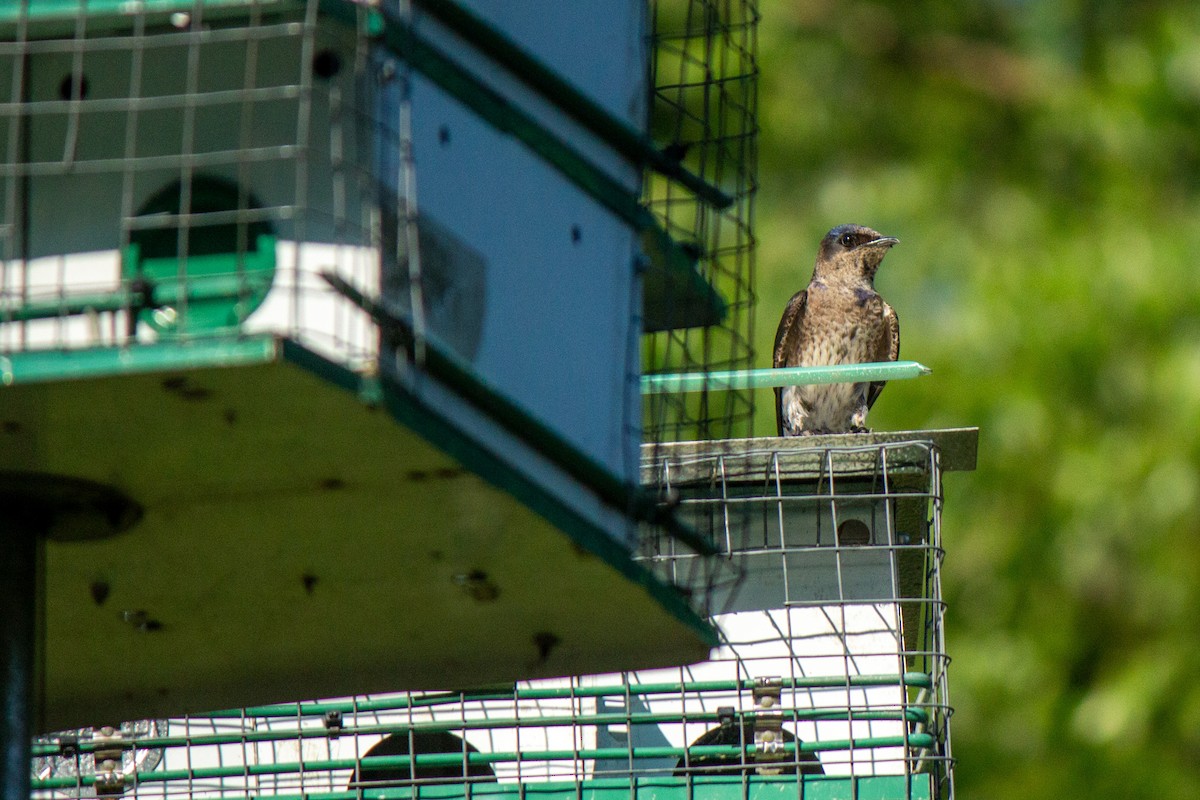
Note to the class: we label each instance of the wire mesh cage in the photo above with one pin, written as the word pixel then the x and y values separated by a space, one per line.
pixel 705 76
pixel 175 175
pixel 838 597
pixel 831 676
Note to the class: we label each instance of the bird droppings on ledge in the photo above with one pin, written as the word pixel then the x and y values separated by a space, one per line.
pixel 478 586
pixel 99 591
pixel 141 621
pixel 181 386
pixel 545 641
pixel 442 473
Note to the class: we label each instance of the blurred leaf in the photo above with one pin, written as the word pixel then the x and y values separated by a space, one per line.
pixel 1040 162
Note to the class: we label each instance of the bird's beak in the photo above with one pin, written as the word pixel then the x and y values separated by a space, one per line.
pixel 882 243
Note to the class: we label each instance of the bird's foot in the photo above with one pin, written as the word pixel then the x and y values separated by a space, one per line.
pixel 859 429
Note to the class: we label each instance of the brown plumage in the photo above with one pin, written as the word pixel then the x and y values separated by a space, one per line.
pixel 838 319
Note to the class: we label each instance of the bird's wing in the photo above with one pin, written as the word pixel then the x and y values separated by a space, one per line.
pixel 787 337
pixel 889 349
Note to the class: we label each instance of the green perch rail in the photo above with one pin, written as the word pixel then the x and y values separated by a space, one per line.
pixel 919 716
pixel 920 680
pixel 783 376
pixel 457 759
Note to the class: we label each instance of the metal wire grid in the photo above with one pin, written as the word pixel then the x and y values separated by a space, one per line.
pixel 839 553
pixel 833 662
pixel 185 135
pixel 705 105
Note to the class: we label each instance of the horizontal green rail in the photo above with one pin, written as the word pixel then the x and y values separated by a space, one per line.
pixel 918 680
pixel 781 376
pixel 37 10
pixel 74 304
pixel 458 759
pixel 711 786
pixel 33 366
pixel 652 787
pixel 912 714
pixel 196 288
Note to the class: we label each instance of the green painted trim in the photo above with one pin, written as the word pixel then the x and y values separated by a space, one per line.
pixel 656 787
pixel 536 75
pixel 41 366
pixel 781 376
pixel 47 18
pixel 329 371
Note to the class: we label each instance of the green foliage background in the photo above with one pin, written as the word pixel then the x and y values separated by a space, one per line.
pixel 1040 162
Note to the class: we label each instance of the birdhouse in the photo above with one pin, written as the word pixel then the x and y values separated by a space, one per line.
pixel 319 345
pixel 831 679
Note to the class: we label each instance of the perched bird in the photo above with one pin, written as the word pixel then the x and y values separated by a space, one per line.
pixel 838 319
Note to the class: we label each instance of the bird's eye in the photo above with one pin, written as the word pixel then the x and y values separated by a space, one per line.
pixel 847 240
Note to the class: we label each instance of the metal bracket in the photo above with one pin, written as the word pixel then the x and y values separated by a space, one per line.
pixel 109 745
pixel 768 725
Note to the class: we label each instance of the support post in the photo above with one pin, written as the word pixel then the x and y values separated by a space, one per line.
pixel 21 543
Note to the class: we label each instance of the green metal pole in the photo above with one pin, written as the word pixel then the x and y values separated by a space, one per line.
pixel 782 376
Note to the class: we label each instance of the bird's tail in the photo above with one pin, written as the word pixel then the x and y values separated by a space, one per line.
pixel 779 410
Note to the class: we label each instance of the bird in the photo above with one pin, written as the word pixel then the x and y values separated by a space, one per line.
pixel 838 319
